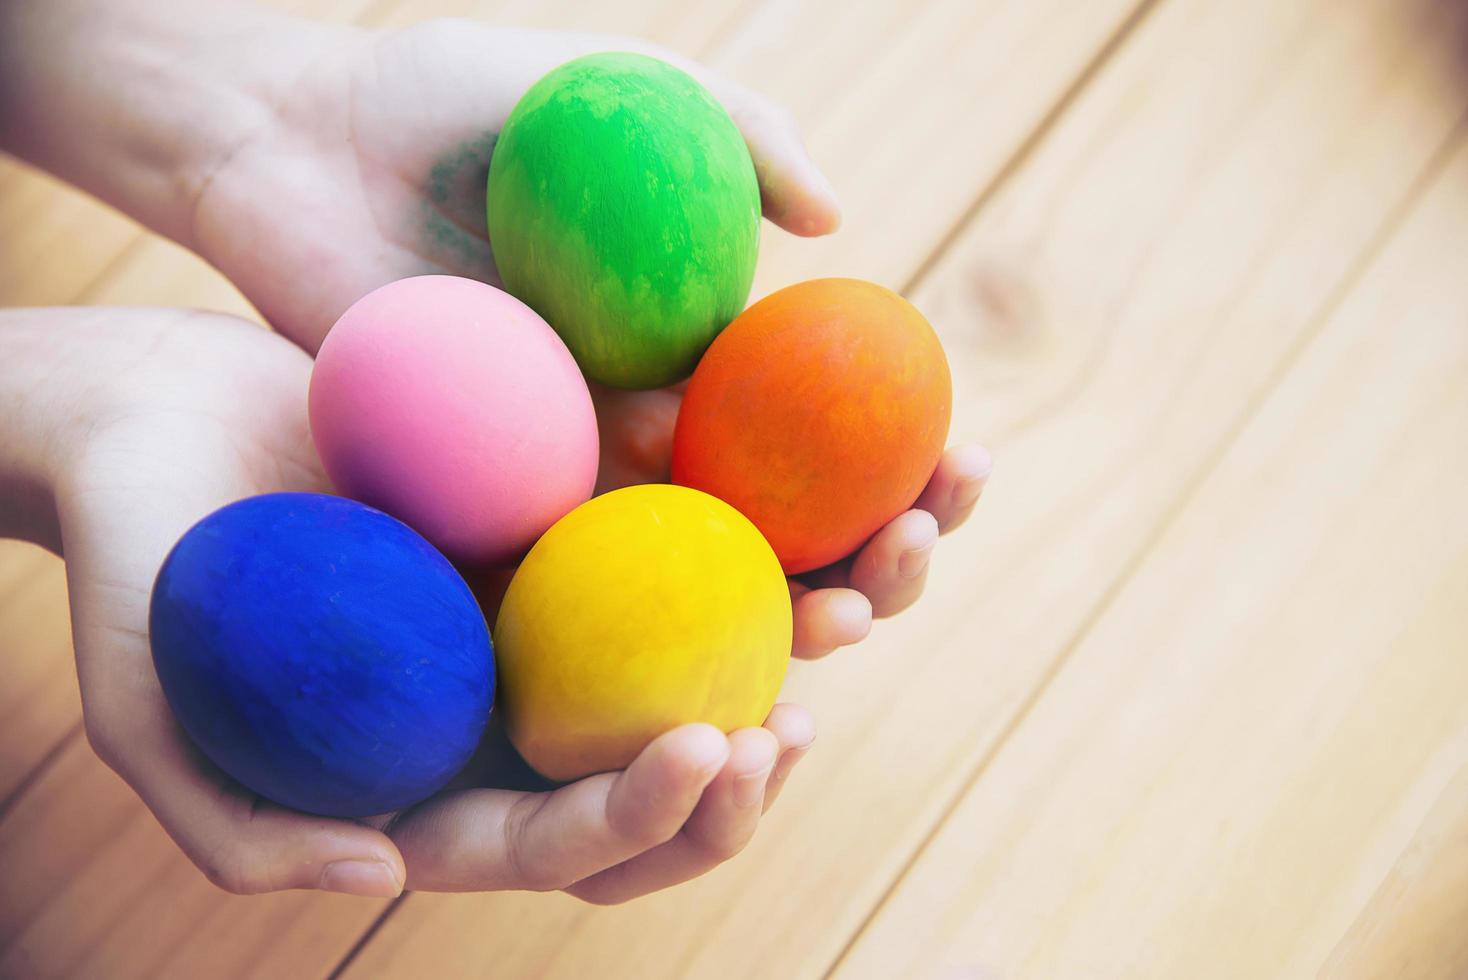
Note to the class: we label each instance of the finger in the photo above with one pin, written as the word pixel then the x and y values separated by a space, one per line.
pixel 795 729
pixel 828 618
pixel 956 486
pixel 243 844
pixel 691 853
pixel 794 194
pixel 721 825
pixel 893 567
pixel 485 839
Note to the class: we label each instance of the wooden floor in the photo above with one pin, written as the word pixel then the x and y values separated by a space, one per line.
pixel 1189 698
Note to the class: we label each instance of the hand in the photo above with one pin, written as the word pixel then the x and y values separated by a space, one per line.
pixel 145 420
pixel 372 167
pixel 372 164
pixel 348 159
pixel 834 606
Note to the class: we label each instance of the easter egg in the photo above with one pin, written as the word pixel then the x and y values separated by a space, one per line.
pixel 322 653
pixel 820 413
pixel 641 610
pixel 623 207
pixel 452 406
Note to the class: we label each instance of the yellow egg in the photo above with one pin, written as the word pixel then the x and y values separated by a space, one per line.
pixel 641 610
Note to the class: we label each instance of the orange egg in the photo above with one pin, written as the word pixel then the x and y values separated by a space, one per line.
pixel 819 413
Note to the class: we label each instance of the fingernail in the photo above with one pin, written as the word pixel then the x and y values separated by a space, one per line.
pixel 788 759
pixel 818 177
pixel 372 879
pixel 984 463
pixel 749 789
pixel 821 184
pixel 980 464
pixel 913 563
pixel 966 493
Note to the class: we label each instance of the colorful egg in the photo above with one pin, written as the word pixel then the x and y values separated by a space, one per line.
pixel 623 207
pixel 644 609
pixel 820 413
pixel 452 406
pixel 322 653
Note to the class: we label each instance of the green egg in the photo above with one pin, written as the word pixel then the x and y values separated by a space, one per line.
pixel 623 208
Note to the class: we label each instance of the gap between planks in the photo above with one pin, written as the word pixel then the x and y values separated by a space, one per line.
pixel 1031 142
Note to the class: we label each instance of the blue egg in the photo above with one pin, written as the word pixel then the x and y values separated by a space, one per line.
pixel 322 653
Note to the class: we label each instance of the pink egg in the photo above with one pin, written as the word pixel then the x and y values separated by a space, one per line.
pixel 454 407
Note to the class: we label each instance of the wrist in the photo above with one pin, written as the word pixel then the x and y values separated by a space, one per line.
pixel 139 103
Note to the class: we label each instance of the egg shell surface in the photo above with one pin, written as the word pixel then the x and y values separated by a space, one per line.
pixel 623 207
pixel 643 609
pixel 322 654
pixel 452 406
pixel 820 413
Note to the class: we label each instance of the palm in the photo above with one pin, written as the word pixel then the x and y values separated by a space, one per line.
pixel 194 415
pixel 378 163
pixel 181 442
pixel 373 168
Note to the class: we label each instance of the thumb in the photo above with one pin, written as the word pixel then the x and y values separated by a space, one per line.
pixel 793 192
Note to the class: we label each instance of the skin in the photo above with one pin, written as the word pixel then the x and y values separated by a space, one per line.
pixel 361 157
pixel 137 422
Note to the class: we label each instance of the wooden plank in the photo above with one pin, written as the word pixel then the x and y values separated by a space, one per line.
pixel 54 239
pixel 1244 743
pixel 914 111
pixel 38 701
pixel 1413 924
pixel 1110 316
pixel 171 276
pixel 85 895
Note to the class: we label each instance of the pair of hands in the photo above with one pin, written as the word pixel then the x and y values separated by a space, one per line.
pixel 363 161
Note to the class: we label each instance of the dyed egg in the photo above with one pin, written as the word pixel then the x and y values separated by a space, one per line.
pixel 452 406
pixel 644 609
pixel 623 207
pixel 322 653
pixel 820 413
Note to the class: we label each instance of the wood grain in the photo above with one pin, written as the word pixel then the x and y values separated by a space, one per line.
pixel 160 272
pixel 1245 741
pixel 38 700
pixel 1110 316
pixel 1413 924
pixel 1181 702
pixel 85 894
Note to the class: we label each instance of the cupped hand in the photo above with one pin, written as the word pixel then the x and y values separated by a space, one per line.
pixel 168 416
pixel 371 165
